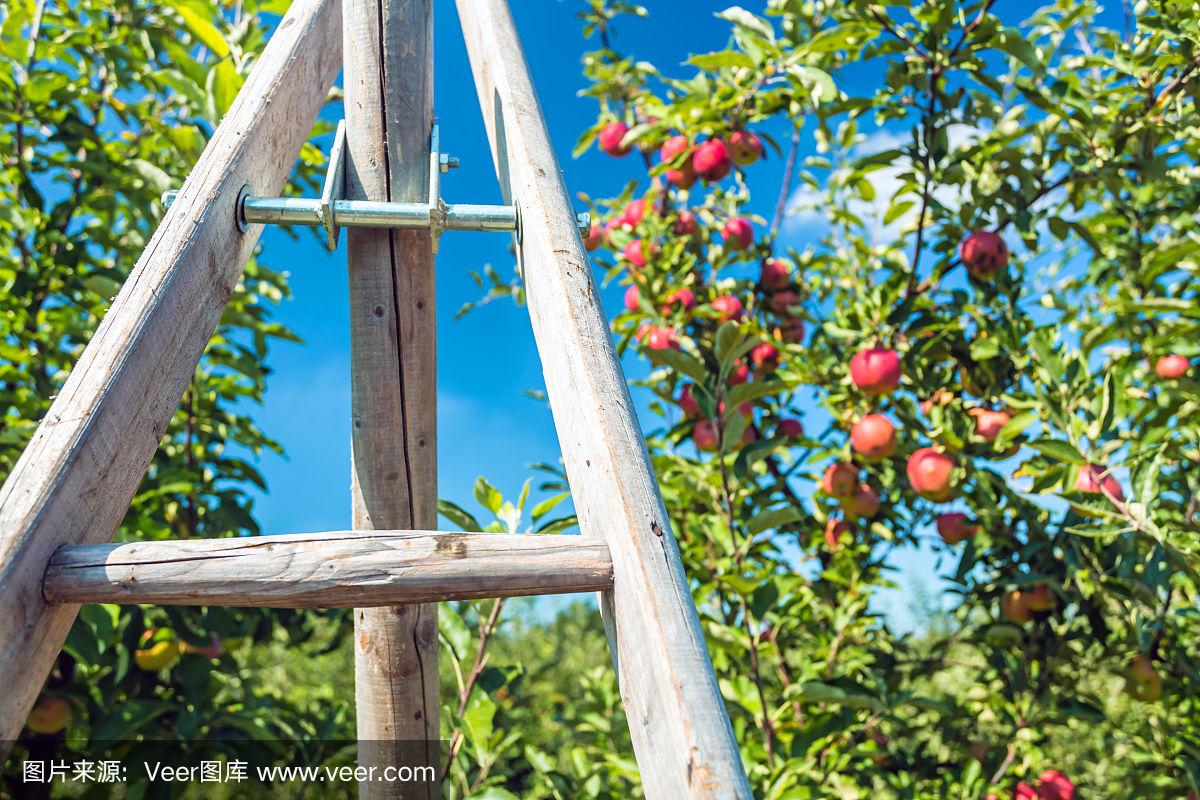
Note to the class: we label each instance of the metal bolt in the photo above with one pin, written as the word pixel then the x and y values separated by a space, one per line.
pixel 447 162
pixel 584 220
pixel 169 196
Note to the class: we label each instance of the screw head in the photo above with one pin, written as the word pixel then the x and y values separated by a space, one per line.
pixel 447 162
pixel 584 220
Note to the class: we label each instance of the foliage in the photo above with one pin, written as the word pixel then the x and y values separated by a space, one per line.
pixel 103 106
pixel 1077 145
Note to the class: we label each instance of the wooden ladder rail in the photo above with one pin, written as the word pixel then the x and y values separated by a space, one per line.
pixel 681 732
pixel 75 480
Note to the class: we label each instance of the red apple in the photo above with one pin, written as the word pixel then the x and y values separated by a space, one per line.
pixel 834 530
pixel 1014 607
pixel 863 504
pixel 781 302
pixel 789 429
pixel 687 402
pixel 659 338
pixel 792 330
pixel 1024 792
pixel 632 298
pixel 1095 479
pixel 873 437
pixel 984 253
pixel 738 233
pixel 635 211
pixel 988 423
pixel 684 298
pixel 1054 785
pixel 775 274
pixel 931 474
pixel 840 479
pixel 876 370
pixel 595 237
pixel 728 308
pixel 711 160
pixel 610 139
pixel 955 527
pixel 683 175
pixel 635 253
pixel 749 435
pixel 685 224
pixel 705 436
pixel 1172 367
pixel 765 357
pixel 745 147
pixel 739 374
pixel 1039 598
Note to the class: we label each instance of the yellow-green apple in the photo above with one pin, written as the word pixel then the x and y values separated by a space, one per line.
pixel 50 715
pixel 1142 681
pixel 745 148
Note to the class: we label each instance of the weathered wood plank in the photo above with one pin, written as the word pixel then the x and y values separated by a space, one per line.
pixel 339 569
pixel 76 478
pixel 389 115
pixel 681 733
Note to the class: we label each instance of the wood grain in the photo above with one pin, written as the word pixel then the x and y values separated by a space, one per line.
pixel 681 733
pixel 389 116
pixel 76 478
pixel 339 569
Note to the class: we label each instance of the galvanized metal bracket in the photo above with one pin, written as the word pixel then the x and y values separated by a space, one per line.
pixel 332 211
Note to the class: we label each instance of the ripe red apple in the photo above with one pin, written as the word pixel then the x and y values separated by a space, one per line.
pixel 738 233
pixel 635 211
pixel 1054 785
pixel 782 302
pixel 610 139
pixel 705 436
pixel 728 308
pixel 873 437
pixel 660 338
pixel 1095 479
pixel 1039 598
pixel 739 374
pixel 1024 792
pixel 1014 607
pixel 863 504
pixel 876 370
pixel 840 479
pixel 683 175
pixel 50 715
pixel 775 274
pixel 595 237
pixel 632 298
pixel 749 436
pixel 682 297
pixel 1172 367
pixel 984 253
pixel 685 224
pixel 988 423
pixel 789 428
pixel 1142 681
pixel 931 474
pixel 687 402
pixel 765 357
pixel 955 527
pixel 792 330
pixel 711 160
pixel 745 147
pixel 834 530
pixel 635 253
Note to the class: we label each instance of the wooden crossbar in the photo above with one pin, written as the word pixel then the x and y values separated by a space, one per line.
pixel 76 478
pixel 681 732
pixel 338 569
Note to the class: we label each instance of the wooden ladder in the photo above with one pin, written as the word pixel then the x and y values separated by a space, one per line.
pixel 67 494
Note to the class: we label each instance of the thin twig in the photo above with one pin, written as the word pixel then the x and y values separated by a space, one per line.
pixel 785 189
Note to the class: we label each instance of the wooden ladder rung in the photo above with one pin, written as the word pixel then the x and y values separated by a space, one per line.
pixel 338 569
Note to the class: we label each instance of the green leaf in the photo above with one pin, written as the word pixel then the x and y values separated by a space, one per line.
pixel 488 496
pixel 458 516
pixel 1061 451
pixel 544 507
pixel 772 518
pixel 725 58
pixel 744 19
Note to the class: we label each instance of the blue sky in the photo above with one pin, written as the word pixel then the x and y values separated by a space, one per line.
pixel 487 425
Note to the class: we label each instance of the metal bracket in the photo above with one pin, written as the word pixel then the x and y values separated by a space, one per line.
pixel 332 211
